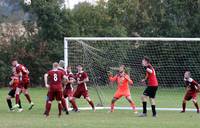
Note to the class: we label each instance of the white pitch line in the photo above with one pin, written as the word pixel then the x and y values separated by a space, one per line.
pixel 138 108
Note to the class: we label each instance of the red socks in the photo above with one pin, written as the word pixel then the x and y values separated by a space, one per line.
pixel 64 103
pixel 59 109
pixel 183 106
pixel 112 107
pixel 48 107
pixel 17 98
pixel 73 104
pixel 91 104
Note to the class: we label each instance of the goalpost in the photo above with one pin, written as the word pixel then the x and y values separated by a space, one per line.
pixel 170 57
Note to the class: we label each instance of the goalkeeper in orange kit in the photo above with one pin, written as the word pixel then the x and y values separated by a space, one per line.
pixel 123 80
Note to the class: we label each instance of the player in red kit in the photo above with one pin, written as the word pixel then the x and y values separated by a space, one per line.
pixel 14 83
pixel 61 68
pixel 24 80
pixel 68 89
pixel 192 89
pixel 82 90
pixel 56 78
pixel 151 89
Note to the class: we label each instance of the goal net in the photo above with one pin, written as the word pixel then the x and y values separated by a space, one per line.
pixel 170 57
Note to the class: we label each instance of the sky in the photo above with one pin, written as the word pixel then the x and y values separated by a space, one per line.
pixel 71 3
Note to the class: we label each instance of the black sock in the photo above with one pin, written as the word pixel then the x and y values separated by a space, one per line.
pixel 9 103
pixel 20 106
pixel 144 107
pixel 153 107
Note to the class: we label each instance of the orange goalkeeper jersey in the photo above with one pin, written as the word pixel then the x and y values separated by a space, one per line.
pixel 122 81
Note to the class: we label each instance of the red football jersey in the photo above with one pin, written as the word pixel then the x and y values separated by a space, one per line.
pixel 70 77
pixel 192 84
pixel 152 79
pixel 55 77
pixel 21 68
pixel 80 77
pixel 62 69
pixel 15 82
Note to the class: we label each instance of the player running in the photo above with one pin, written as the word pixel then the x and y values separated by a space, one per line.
pixel 123 80
pixel 54 87
pixel 192 89
pixel 151 89
pixel 82 90
pixel 68 89
pixel 13 85
pixel 24 79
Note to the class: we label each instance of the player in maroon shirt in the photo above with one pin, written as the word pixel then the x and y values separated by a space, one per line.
pixel 82 90
pixel 54 87
pixel 151 89
pixel 192 89
pixel 24 79
pixel 14 83
pixel 61 68
pixel 68 89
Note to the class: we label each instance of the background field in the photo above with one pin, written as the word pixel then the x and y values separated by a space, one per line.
pixel 100 119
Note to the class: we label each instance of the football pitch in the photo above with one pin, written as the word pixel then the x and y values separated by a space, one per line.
pixel 166 98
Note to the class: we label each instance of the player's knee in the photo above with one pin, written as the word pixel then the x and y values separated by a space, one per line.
pixel 88 98
pixel 194 100
pixel 114 100
pixel 143 98
pixel 8 97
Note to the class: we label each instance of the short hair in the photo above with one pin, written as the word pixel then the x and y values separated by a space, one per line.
pixel 146 58
pixel 13 59
pixel 79 65
pixel 189 73
pixel 55 65
pixel 61 63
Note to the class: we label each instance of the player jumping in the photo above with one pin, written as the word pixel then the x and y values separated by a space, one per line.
pixel 123 80
pixel 151 89
pixel 54 87
pixel 13 85
pixel 192 89
pixel 24 79
pixel 82 90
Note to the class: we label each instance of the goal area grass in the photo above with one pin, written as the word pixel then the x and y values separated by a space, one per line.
pixel 166 98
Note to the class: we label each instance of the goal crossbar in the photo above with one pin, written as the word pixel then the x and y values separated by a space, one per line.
pixel 130 39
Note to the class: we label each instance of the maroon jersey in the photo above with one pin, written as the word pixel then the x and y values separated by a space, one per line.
pixel 192 84
pixel 70 77
pixel 62 69
pixel 151 76
pixel 55 77
pixel 15 82
pixel 80 77
pixel 21 68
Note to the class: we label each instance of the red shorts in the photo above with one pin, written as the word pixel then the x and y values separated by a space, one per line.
pixel 190 95
pixel 68 92
pixel 24 84
pixel 81 92
pixel 55 94
pixel 119 93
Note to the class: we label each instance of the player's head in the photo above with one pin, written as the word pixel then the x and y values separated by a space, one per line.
pixel 69 68
pixel 122 68
pixel 62 63
pixel 55 65
pixel 145 61
pixel 187 74
pixel 14 62
pixel 79 68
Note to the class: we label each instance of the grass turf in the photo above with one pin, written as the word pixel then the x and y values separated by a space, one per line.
pixel 100 119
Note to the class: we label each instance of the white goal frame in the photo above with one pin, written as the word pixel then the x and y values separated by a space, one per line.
pixel 164 39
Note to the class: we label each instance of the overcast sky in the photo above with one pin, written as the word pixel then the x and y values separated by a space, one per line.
pixel 71 3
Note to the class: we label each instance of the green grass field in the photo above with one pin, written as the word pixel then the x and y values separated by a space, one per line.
pixel 99 119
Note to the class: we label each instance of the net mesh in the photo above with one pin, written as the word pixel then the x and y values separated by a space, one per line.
pixel 169 58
